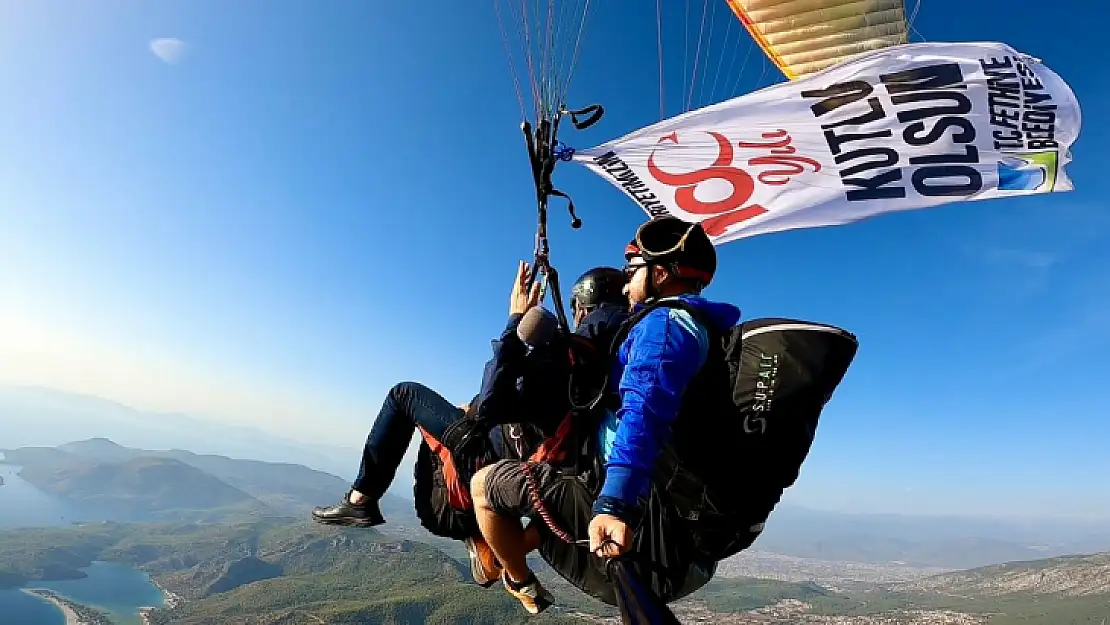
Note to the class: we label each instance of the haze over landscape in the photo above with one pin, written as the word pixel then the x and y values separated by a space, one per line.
pixel 227 229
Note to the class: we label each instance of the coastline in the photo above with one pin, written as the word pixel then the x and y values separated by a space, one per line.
pixel 87 615
pixel 169 600
pixel 71 616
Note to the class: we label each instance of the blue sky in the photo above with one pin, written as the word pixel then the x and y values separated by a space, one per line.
pixel 317 200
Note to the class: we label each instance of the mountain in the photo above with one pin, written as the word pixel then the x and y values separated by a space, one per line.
pixel 1071 576
pixel 1073 590
pixel 240 573
pixel 1069 590
pixel 272 572
pixel 287 487
pixel 140 487
pixel 56 553
pixel 44 417
pixel 341 576
pixel 100 448
pixel 903 546
pixel 107 480
pixel 277 572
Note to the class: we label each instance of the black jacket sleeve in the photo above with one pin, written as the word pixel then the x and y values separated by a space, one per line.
pixel 522 385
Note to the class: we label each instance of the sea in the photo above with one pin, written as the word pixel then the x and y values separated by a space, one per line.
pixel 23 505
pixel 117 589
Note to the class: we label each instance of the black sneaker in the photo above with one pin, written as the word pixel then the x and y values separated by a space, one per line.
pixel 365 514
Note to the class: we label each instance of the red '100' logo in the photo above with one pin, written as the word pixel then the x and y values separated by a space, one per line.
pixel 685 184
pixel 731 210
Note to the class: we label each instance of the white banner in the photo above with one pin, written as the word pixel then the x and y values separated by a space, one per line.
pixel 903 128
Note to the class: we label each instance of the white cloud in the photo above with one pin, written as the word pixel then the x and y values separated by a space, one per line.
pixel 168 49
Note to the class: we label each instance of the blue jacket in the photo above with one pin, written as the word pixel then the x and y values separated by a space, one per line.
pixel 519 384
pixel 655 363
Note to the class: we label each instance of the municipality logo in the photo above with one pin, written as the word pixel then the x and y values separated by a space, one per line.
pixel 1028 171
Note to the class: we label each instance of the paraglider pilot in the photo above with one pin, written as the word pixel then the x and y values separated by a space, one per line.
pixel 668 258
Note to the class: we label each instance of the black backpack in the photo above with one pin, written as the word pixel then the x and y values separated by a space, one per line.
pixel 747 422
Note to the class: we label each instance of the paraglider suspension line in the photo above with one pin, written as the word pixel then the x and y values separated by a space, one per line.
pixel 544 151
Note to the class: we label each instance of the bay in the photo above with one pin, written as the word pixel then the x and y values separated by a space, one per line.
pixel 118 589
pixel 23 505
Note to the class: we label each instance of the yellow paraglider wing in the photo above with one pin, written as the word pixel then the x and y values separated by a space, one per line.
pixel 805 36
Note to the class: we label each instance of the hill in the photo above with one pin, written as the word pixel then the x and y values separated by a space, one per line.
pixel 1069 590
pixel 270 572
pixel 816 544
pixel 347 576
pixel 45 417
pixel 140 487
pixel 250 475
pixel 110 481
pixel 1071 576
pixel 100 448
pixel 28 555
pixel 41 417
pixel 273 572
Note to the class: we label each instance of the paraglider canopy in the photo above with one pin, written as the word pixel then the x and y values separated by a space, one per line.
pixel 806 36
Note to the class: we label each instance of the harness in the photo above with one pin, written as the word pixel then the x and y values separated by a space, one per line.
pixel 554 448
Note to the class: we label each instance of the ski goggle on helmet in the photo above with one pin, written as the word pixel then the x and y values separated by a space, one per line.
pixel 682 247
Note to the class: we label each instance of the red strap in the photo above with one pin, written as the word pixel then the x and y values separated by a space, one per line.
pixel 458 496
pixel 551 449
pixel 697 274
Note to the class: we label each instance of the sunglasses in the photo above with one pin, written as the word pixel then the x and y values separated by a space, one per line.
pixel 630 269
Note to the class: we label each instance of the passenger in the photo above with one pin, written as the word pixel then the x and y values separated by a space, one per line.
pixel 520 380
pixel 599 307
pixel 408 405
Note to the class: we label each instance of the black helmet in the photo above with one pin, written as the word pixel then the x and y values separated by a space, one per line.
pixel 683 247
pixel 600 285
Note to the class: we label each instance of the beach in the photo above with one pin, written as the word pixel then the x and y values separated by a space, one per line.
pixel 168 598
pixel 75 613
pixel 71 616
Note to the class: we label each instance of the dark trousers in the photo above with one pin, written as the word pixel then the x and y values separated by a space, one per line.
pixel 407 405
